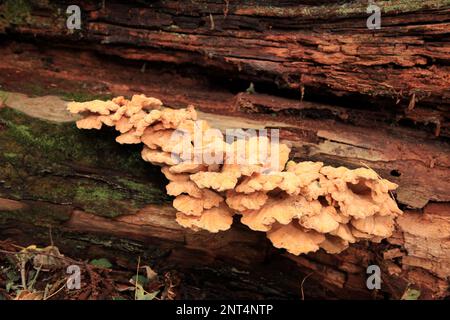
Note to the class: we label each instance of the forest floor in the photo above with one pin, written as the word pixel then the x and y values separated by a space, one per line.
pixel 44 273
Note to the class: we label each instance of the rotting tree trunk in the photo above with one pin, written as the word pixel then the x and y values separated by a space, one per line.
pixel 97 195
pixel 90 190
pixel 321 49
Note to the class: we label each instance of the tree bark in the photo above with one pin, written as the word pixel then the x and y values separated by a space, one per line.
pixel 87 189
pixel 321 50
pixel 320 76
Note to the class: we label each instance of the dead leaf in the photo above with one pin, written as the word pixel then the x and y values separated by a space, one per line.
pixel 151 275
pixel 48 258
pixel 27 295
pixel 412 102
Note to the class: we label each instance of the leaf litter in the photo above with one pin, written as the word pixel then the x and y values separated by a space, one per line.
pixel 40 273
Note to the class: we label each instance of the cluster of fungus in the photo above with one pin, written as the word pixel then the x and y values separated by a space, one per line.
pixel 301 206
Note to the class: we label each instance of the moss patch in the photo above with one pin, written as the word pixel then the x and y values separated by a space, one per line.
pixel 15 12
pixel 83 96
pixel 346 9
pixel 78 93
pixel 57 163
pixel 3 96
pixel 64 142
pixel 103 200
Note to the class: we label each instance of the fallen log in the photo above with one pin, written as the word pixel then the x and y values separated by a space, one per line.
pixel 88 189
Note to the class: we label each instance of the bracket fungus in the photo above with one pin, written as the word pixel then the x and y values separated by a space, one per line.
pixel 301 206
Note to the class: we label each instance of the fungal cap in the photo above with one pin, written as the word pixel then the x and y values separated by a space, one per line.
pixel 90 122
pixel 96 106
pixel 219 181
pixel 295 239
pixel 213 220
pixel 158 157
pixel 242 202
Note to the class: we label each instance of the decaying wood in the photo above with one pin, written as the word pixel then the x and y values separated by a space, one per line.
pixel 76 193
pixel 317 49
pixel 340 94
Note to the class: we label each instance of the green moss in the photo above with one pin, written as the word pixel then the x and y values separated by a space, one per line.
pixel 57 141
pixel 10 155
pixel 19 12
pixel 132 184
pixel 39 161
pixel 102 200
pixel 34 89
pixel 3 96
pixel 100 193
pixel 347 9
pixel 22 133
pixel 78 93
pixel 411 5
pixel 15 12
pixel 111 201
pixel 82 96
pixel 143 192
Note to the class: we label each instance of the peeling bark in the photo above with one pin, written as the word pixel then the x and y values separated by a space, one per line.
pixel 321 48
pixel 77 192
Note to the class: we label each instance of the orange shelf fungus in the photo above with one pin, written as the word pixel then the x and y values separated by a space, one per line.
pixel 301 206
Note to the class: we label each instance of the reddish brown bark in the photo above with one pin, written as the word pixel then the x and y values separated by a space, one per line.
pixel 321 48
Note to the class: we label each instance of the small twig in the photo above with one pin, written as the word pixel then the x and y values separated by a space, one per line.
pixel 211 19
pixel 50 234
pixel 41 253
pixel 33 281
pixel 23 274
pixel 137 277
pixel 303 282
pixel 412 102
pixel 225 11
pixel 144 67
pixel 17 246
pixel 57 291
pixel 47 286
